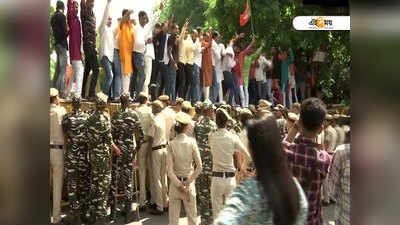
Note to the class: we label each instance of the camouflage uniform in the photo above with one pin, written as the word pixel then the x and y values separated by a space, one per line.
pixel 100 141
pixel 201 130
pixel 77 161
pixel 124 125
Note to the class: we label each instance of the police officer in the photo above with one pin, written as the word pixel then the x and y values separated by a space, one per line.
pixel 100 142
pixel 169 115
pixel 182 151
pixel 246 167
pixel 76 160
pixel 223 145
pixel 186 108
pixel 145 117
pixel 158 147
pixel 57 113
pixel 125 123
pixel 202 129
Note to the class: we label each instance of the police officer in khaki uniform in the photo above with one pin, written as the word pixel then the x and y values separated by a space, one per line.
pixel 145 117
pixel 169 115
pixel 223 145
pixel 182 151
pixel 57 113
pixel 186 108
pixel 158 148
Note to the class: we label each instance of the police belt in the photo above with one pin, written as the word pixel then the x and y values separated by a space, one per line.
pixel 223 174
pixel 158 147
pixel 56 146
pixel 182 179
pixel 204 146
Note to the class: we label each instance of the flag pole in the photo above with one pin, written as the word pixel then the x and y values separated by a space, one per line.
pixel 251 17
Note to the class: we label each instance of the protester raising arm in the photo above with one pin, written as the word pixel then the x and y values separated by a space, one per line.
pixel 105 17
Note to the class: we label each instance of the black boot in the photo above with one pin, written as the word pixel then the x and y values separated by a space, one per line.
pixel 127 211
pixel 76 220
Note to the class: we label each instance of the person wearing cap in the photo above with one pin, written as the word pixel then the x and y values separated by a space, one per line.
pixel 281 121
pixel 157 144
pixel 199 111
pixel 223 145
pixel 169 115
pixel 295 108
pixel 264 104
pixel 76 160
pixel 125 124
pixel 202 129
pixel 57 113
pixel 330 134
pixel 291 119
pixel 187 108
pixel 339 130
pixel 245 167
pixel 178 104
pixel 145 118
pixel 182 152
pixel 100 143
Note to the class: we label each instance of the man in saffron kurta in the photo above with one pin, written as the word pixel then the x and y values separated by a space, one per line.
pixel 206 65
pixel 126 39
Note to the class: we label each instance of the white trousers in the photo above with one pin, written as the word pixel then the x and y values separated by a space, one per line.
pixel 57 168
pixel 241 92
pixel 220 93
pixel 206 93
pixel 148 63
pixel 246 96
pixel 221 189
pixel 126 80
pixel 76 79
pixel 159 161
pixel 189 203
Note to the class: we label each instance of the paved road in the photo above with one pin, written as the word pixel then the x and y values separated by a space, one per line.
pixel 148 219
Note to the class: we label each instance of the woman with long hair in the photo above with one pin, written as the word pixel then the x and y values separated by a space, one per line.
pixel 273 196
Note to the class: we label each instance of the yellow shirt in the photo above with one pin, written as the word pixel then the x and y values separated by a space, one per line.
pixel 126 38
pixel 182 52
pixel 190 48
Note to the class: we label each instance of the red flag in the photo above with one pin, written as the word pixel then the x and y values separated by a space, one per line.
pixel 244 17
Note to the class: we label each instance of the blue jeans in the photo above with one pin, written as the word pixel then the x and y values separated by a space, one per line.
pixel 262 89
pixel 196 84
pixel 169 72
pixel 269 86
pixel 107 66
pixel 61 68
pixel 116 83
pixel 138 78
pixel 214 88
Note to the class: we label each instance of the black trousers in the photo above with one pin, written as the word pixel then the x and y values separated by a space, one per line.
pixel 156 80
pixel 180 80
pixel 253 94
pixel 189 82
pixel 91 64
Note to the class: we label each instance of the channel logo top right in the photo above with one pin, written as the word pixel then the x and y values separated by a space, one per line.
pixel 321 23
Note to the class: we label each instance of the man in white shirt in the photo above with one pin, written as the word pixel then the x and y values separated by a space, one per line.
pixel 116 83
pixel 218 67
pixel 197 66
pixel 223 145
pixel 107 48
pixel 261 79
pixel 57 113
pixel 216 57
pixel 142 32
pixel 149 57
pixel 228 62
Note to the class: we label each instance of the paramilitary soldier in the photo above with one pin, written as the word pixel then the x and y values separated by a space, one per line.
pixel 125 123
pixel 100 143
pixel 77 161
pixel 201 130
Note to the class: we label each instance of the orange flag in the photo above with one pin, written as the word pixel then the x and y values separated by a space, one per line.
pixel 244 17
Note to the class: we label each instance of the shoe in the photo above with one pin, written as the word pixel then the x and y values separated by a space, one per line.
pixel 156 212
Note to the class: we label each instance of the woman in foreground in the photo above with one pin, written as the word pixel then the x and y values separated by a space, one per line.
pixel 273 196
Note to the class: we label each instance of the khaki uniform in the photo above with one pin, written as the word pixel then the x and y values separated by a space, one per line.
pixel 158 159
pixel 170 116
pixel 145 117
pixel 330 139
pixel 182 151
pixel 223 145
pixel 57 156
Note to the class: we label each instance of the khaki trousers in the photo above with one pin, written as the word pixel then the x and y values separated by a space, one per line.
pixel 57 168
pixel 221 189
pixel 189 203
pixel 143 163
pixel 159 163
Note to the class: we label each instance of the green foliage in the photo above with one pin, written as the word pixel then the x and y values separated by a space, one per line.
pixel 52 10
